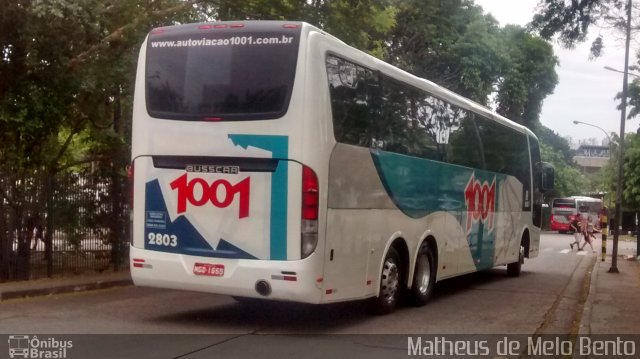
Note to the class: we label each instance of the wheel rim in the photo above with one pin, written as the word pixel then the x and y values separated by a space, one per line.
pixel 423 272
pixel 521 257
pixel 389 281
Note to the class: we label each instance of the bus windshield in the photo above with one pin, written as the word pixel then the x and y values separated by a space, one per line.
pixel 220 74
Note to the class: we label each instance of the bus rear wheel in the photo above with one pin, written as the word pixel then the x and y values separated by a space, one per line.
pixel 424 276
pixel 390 284
pixel 514 269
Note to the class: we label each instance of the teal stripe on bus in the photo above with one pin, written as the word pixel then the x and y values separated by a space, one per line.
pixel 279 148
pixel 419 187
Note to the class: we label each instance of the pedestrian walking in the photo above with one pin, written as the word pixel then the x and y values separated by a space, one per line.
pixel 576 226
pixel 588 235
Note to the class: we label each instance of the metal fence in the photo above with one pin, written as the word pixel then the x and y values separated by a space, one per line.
pixel 64 224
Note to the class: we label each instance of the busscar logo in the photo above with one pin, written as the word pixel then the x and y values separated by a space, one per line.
pixel 234 170
pixel 32 347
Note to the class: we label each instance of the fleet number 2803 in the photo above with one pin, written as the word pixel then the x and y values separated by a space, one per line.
pixel 160 239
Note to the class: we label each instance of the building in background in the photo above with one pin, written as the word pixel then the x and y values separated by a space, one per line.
pixel 591 158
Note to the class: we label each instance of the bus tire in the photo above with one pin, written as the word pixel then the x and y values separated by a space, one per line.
pixel 514 269
pixel 424 276
pixel 390 284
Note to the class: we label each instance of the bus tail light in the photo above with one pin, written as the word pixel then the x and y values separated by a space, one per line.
pixel 309 194
pixel 310 202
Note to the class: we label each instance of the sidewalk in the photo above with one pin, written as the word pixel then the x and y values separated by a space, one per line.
pixel 613 303
pixel 78 283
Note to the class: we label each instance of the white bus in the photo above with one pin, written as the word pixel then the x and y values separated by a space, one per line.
pixel 274 161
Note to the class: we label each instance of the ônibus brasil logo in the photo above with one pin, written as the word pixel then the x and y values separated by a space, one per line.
pixel 26 346
pixel 480 199
pixel 210 192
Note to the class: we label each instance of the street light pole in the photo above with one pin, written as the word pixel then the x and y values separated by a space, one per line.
pixel 623 115
pixel 615 70
pixel 576 122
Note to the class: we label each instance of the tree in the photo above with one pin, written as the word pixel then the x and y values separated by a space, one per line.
pixel 67 69
pixel 555 141
pixel 569 20
pixel 449 42
pixel 556 150
pixel 633 92
pixel 568 180
pixel 632 171
pixel 527 78
pixel 363 24
pixel 455 45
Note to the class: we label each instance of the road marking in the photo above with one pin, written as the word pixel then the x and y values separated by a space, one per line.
pixel 582 253
pixel 565 251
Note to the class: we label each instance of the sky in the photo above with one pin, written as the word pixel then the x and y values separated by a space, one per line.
pixel 585 90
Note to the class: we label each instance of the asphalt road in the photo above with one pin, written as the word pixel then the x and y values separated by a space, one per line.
pixel 546 298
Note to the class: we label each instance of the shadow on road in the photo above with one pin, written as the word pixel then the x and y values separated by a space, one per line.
pixel 463 283
pixel 285 317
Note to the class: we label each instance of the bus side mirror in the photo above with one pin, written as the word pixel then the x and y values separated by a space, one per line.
pixel 548 177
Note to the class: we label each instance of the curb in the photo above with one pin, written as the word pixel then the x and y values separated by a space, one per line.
pixel 585 319
pixel 69 288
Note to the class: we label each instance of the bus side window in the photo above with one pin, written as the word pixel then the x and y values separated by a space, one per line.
pixel 352 95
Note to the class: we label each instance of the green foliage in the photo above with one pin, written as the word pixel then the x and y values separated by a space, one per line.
pixel 632 172
pixel 453 44
pixel 568 180
pixel 633 99
pixel 633 91
pixel 449 42
pixel 363 24
pixel 570 20
pixel 528 76
pixel 555 141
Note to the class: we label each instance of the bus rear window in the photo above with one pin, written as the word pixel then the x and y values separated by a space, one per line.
pixel 559 203
pixel 221 75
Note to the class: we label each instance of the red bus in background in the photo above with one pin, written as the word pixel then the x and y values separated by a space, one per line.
pixel 564 210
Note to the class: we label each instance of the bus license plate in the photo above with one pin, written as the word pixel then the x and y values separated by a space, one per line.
pixel 211 270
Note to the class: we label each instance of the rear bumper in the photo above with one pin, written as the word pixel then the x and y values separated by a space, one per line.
pixel 289 280
pixel 555 226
